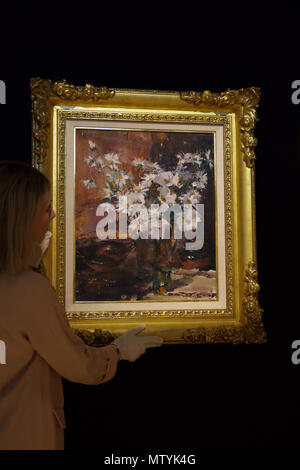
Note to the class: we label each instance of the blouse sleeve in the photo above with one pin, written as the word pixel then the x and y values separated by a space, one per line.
pixel 47 328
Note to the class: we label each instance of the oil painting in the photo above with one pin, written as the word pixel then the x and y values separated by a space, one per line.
pixel 152 259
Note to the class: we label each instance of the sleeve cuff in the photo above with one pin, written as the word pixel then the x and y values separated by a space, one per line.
pixel 112 359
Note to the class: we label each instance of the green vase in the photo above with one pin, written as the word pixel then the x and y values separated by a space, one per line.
pixel 162 280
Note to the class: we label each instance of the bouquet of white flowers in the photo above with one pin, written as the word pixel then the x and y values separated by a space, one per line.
pixel 157 191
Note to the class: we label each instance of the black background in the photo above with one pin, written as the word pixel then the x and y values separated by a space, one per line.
pixel 186 398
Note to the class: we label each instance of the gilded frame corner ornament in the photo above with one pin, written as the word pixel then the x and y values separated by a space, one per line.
pixel 44 91
pixel 58 107
pixel 247 99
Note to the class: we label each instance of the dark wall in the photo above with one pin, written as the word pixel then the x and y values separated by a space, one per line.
pixel 188 397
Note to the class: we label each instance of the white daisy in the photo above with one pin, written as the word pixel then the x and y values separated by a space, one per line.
pixel 139 162
pixel 112 160
pixel 92 145
pixel 207 158
pixel 90 159
pixel 195 158
pixel 139 193
pixel 148 179
pixel 166 178
pixel 153 166
pixel 189 158
pixel 165 196
pixel 89 183
pixel 190 198
pixel 201 182
pixel 121 179
pixel 129 198
pixel 99 164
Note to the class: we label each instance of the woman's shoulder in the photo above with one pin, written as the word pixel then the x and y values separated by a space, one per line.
pixel 31 277
pixel 27 281
pixel 22 295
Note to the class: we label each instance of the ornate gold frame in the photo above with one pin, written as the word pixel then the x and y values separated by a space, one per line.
pixel 53 104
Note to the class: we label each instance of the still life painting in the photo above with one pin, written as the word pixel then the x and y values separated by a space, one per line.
pixel 155 254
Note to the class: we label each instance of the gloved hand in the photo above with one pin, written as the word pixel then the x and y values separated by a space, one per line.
pixel 131 347
pixel 40 249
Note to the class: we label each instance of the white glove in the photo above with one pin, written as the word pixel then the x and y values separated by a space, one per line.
pixel 45 242
pixel 131 347
pixel 40 249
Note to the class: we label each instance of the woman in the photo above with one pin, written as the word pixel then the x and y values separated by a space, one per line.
pixel 40 345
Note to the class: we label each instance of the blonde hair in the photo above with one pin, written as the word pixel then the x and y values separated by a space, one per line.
pixel 21 189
